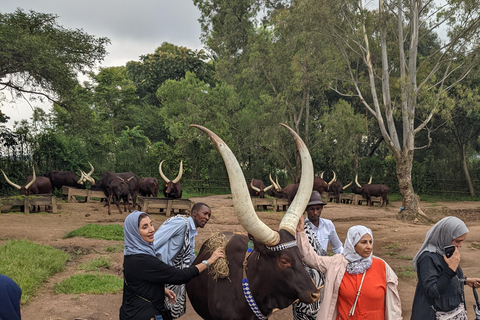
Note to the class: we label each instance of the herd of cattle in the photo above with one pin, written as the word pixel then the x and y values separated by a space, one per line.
pixel 257 188
pixel 127 185
pixel 116 186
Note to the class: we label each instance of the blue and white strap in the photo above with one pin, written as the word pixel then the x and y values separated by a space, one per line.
pixel 251 300
pixel 283 246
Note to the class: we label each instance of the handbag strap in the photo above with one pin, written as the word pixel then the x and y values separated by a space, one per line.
pixel 476 297
pixel 352 310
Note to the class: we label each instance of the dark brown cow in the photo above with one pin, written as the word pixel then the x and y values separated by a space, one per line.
pixel 34 185
pixel 69 178
pixel 320 185
pixel 337 187
pixel 119 190
pixel 172 189
pixel 257 188
pixel 373 190
pixel 109 177
pixel 148 187
pixel 273 270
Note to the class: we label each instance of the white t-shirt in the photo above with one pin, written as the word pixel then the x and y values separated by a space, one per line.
pixel 325 234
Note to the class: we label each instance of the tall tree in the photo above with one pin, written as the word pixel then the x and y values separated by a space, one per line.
pixel 168 62
pixel 406 86
pixel 40 57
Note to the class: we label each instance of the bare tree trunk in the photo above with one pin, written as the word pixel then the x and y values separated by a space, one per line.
pixel 465 170
pixel 410 200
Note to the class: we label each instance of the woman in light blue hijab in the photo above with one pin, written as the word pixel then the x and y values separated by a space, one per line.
pixel 439 292
pixel 145 276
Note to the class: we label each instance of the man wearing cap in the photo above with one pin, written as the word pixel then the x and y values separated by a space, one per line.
pixel 320 233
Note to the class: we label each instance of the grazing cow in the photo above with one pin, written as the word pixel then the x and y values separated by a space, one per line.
pixel 373 190
pixel 257 188
pixel 269 265
pixel 172 189
pixel 34 185
pixel 148 187
pixel 69 178
pixel 277 190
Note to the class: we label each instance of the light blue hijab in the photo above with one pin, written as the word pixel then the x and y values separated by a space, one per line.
pixel 440 236
pixel 134 243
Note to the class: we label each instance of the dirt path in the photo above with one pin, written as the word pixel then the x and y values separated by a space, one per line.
pixel 395 241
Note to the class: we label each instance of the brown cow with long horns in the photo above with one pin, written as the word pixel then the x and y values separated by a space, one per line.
pixel 266 272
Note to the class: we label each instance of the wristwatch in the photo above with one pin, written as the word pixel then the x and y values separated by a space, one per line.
pixel 206 263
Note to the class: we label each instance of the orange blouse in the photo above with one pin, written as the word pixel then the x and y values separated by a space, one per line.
pixel 371 302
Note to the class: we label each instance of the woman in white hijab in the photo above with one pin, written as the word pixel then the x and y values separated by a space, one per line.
pixel 439 292
pixel 358 285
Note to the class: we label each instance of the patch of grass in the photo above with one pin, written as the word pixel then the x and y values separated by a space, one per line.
pixel 115 248
pixel 390 253
pixel 95 264
pixel 406 272
pixel 475 245
pixel 90 283
pixel 96 231
pixel 409 258
pixel 30 264
pixel 393 246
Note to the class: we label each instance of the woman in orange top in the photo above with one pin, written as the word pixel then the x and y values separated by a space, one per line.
pixel 356 268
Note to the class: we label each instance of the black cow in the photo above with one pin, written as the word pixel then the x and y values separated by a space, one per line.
pixel 69 178
pixel 172 189
pixel 274 269
pixel 148 187
pixel 373 190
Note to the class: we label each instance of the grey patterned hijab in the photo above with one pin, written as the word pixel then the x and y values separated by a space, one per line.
pixel 357 264
pixel 440 236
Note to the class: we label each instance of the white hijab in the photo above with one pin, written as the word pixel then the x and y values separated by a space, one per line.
pixel 440 236
pixel 357 263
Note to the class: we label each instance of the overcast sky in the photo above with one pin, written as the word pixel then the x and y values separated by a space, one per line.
pixel 134 28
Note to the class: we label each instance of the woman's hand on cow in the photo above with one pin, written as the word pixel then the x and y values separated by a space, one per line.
pixel 301 225
pixel 218 253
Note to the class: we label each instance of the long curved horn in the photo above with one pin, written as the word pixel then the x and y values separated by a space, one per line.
pixel 180 172
pixel 370 182
pixel 91 171
pixel 321 174
pixel 268 188
pixel 28 185
pixel 348 185
pixel 241 197
pixel 356 181
pixel 10 182
pixel 253 187
pixel 278 184
pixel 273 183
pixel 334 178
pixel 82 177
pixel 89 178
pixel 299 203
pixel 161 173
